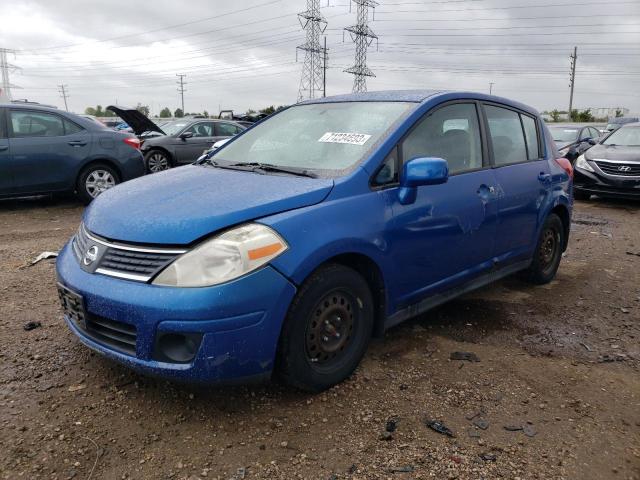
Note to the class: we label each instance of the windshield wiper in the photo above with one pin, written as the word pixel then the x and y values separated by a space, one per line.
pixel 268 167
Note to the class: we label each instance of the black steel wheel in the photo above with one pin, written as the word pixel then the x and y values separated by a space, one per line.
pixel 548 252
pixel 327 329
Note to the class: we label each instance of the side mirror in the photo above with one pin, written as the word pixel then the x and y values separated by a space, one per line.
pixel 592 141
pixel 185 135
pixel 421 171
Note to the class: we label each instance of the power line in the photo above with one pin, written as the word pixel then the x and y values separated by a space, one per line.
pixel 181 89
pixel 363 37
pixel 64 94
pixel 512 7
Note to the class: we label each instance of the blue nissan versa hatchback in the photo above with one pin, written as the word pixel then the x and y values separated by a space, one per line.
pixel 286 249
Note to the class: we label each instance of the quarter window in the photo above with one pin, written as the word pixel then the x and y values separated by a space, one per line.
pixel 71 128
pixel 36 124
pixel 452 133
pixel 388 172
pixel 531 136
pixel 506 135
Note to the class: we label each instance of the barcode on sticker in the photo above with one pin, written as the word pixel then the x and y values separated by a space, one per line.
pixel 350 138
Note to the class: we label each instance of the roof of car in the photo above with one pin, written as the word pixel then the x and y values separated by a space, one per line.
pixel 417 96
pixel 567 125
pixel 30 106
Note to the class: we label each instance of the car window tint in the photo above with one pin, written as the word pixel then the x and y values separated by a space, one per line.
pixel 388 172
pixel 531 135
pixel 506 135
pixel 36 124
pixel 71 128
pixel 451 133
pixel 226 129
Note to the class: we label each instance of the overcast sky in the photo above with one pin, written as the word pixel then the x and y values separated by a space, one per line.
pixel 129 52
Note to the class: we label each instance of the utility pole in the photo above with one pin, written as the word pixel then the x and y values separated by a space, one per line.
pixel 491 84
pixel 572 78
pixel 64 94
pixel 314 69
pixel 363 37
pixel 5 68
pixel 181 89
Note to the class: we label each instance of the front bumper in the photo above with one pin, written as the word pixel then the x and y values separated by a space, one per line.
pixel 240 321
pixel 597 184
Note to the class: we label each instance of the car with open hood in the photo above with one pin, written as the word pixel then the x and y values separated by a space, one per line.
pixel 178 142
pixel 612 167
pixel 289 247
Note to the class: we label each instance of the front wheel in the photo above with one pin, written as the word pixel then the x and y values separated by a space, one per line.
pixel 94 180
pixel 157 161
pixel 548 253
pixel 327 329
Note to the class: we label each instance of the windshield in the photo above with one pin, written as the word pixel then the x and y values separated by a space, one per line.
pixel 625 136
pixel 171 128
pixel 325 137
pixel 563 134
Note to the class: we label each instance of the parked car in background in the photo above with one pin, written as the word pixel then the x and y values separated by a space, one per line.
pixel 611 168
pixel 617 122
pixel 178 142
pixel 44 150
pixel 324 225
pixel 573 140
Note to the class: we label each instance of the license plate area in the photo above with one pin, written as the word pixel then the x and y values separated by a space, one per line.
pixel 72 305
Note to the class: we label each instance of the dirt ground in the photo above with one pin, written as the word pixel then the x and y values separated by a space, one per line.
pixel 562 361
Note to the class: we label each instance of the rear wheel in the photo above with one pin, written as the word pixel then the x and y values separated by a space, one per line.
pixel 548 252
pixel 327 329
pixel 94 180
pixel 157 161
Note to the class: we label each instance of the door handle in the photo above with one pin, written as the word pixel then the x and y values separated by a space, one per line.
pixel 77 143
pixel 544 177
pixel 485 191
pixel 3 148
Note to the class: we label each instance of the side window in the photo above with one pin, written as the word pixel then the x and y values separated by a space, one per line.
pixel 451 132
pixel 226 129
pixel 388 172
pixel 201 130
pixel 36 124
pixel 3 129
pixel 506 135
pixel 531 136
pixel 595 134
pixel 70 128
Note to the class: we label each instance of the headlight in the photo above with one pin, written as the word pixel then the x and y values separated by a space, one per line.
pixel 582 163
pixel 228 256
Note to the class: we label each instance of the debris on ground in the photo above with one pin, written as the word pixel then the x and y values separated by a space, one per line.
pixel 465 356
pixel 529 430
pixel 637 254
pixel 391 425
pixel 481 423
pixel 439 427
pixel 31 326
pixel 39 258
pixel 488 457
pixel 387 436
pixel 513 428
pixel 406 469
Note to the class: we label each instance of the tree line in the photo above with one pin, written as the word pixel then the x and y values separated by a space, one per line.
pixel 99 111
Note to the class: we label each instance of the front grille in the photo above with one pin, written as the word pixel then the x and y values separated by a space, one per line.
pixel 131 262
pixel 619 169
pixel 117 335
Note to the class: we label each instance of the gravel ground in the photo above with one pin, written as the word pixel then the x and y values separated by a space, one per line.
pixel 559 367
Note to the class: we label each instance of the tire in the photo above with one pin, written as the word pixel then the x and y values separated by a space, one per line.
pixel 95 179
pixel 157 161
pixel 580 195
pixel 548 253
pixel 327 329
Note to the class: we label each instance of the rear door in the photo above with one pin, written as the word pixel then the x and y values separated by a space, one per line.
pixel 522 176
pixel 189 149
pixel 6 174
pixel 46 150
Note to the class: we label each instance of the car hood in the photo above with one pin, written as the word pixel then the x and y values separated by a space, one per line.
pixel 613 152
pixel 138 121
pixel 182 205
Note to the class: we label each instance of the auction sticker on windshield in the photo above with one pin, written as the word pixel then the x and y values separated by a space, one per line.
pixel 350 138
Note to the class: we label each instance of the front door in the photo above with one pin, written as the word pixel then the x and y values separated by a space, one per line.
pixel 46 150
pixel 202 137
pixel 446 236
pixel 523 179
